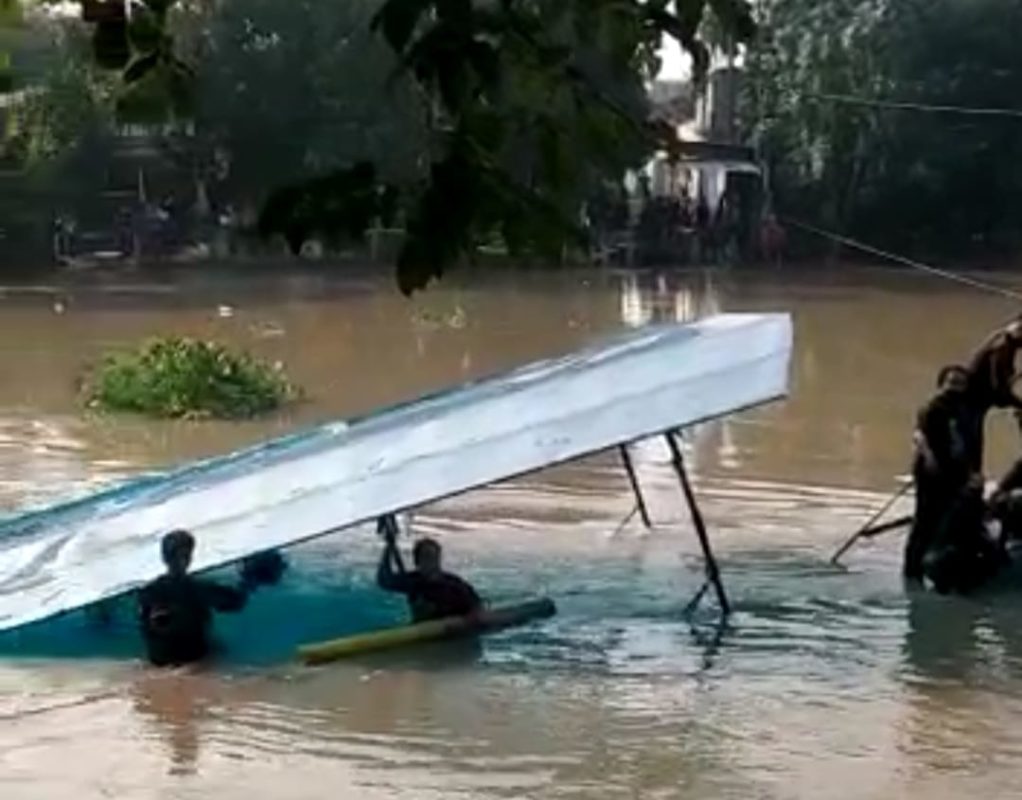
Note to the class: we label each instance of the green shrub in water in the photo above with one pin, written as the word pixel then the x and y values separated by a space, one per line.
pixel 178 377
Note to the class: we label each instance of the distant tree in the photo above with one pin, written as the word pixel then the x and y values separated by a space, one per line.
pixel 288 90
pixel 527 102
pixel 502 118
pixel 66 105
pixel 807 50
pixel 56 130
pixel 920 181
pixel 949 182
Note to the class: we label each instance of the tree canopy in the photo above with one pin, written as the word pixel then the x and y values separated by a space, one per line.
pixel 823 74
pixel 524 106
pixel 292 91
pixel 475 120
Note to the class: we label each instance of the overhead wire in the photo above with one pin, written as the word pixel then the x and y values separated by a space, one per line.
pixel 900 105
pixel 896 105
pixel 947 274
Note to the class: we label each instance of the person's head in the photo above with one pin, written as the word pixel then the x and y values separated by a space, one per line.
pixel 1014 328
pixel 177 548
pixel 427 556
pixel 953 379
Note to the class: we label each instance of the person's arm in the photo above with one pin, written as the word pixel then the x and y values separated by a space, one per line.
pixel 262 569
pixel 1003 368
pixel 223 598
pixel 922 449
pixel 391 575
pixel 469 598
pixel 992 367
pixel 934 425
pixel 476 602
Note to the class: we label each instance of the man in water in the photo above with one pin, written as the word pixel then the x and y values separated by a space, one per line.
pixel 431 592
pixel 965 552
pixel 944 463
pixel 992 372
pixel 176 610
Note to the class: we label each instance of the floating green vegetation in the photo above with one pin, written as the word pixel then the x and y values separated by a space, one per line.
pixel 187 378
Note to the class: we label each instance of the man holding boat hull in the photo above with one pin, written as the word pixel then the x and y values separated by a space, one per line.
pixel 992 371
pixel 432 593
pixel 966 553
pixel 949 541
pixel 175 611
pixel 944 465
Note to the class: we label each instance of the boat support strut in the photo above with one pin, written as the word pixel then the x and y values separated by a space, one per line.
pixel 712 570
pixel 640 502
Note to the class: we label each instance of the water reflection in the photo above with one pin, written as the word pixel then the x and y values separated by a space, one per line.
pixel 661 297
pixel 961 662
pixel 857 376
pixel 176 706
pixel 53 461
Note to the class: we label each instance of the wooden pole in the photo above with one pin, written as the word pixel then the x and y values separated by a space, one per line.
pixel 863 532
pixel 893 525
pixel 712 571
pixel 634 480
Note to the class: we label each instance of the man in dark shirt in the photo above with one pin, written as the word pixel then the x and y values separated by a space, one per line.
pixel 992 369
pixel 431 592
pixel 964 553
pixel 176 610
pixel 944 463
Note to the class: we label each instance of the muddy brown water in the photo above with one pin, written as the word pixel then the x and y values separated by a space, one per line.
pixel 826 683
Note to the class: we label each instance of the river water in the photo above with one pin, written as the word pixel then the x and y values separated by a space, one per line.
pixel 827 683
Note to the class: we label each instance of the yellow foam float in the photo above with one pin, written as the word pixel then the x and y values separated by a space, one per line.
pixel 488 621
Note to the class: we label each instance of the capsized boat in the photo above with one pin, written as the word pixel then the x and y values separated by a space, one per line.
pixel 652 381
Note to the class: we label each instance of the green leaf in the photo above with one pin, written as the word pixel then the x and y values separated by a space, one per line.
pixel 398 19
pixel 458 14
pixel 148 99
pixel 485 61
pixel 99 11
pixel 441 59
pixel 110 45
pixel 681 28
pixel 487 129
pixel 736 18
pixel 145 30
pixel 140 67
pixel 160 7
pixel 11 14
pixel 442 224
pixel 180 81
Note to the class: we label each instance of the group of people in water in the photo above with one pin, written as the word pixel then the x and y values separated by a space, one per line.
pixel 176 610
pixel 958 541
pixel 960 533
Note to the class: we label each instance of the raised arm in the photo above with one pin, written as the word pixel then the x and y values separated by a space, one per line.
pixel 390 575
pixel 224 598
